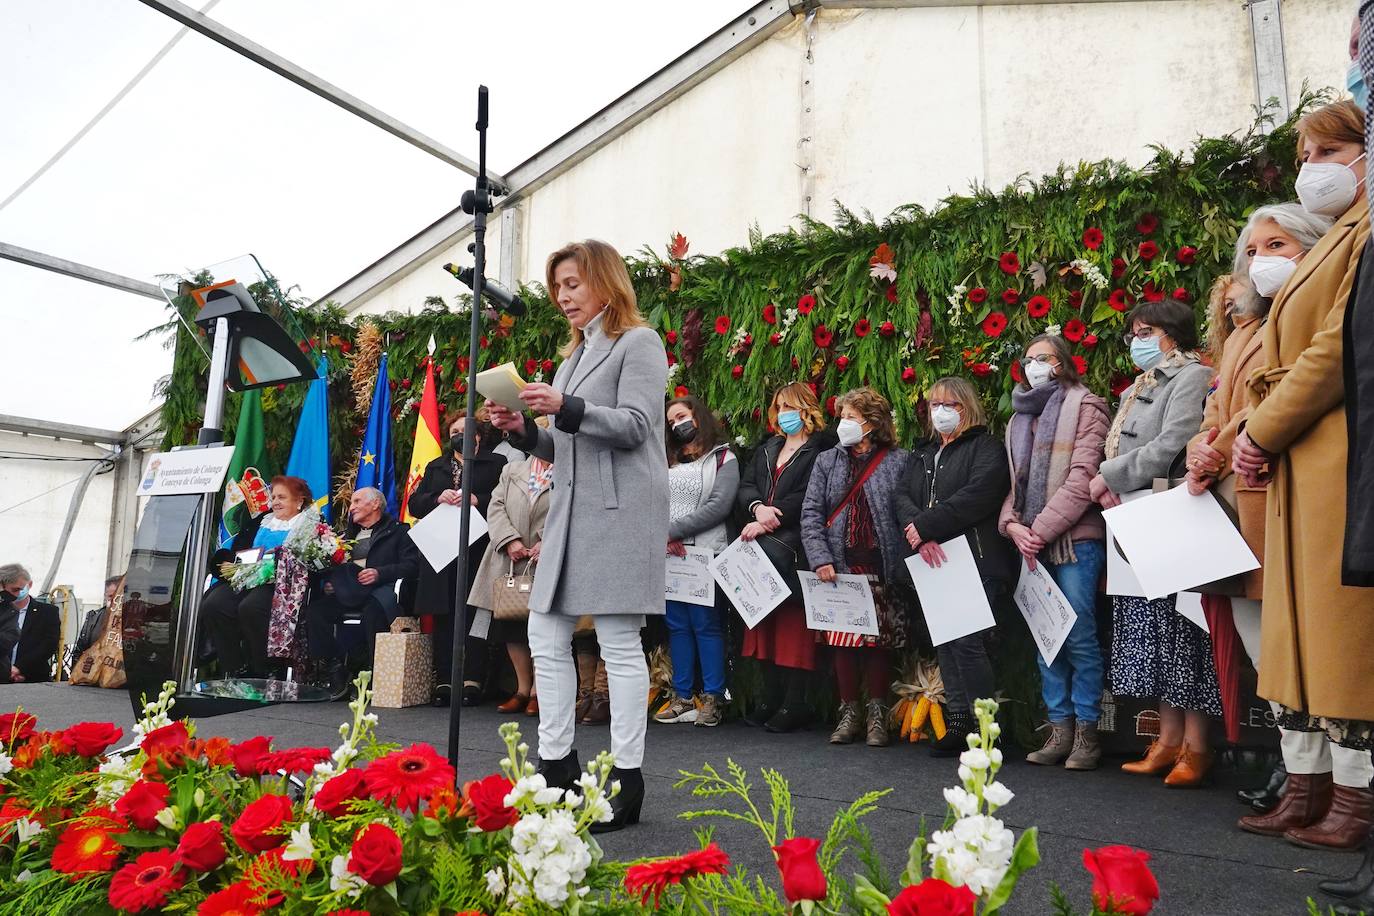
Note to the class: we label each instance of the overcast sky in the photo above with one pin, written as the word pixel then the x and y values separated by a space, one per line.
pixel 212 156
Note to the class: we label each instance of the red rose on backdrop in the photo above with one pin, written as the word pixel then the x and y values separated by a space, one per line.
pixel 830 405
pixel 1092 238
pixel 1090 340
pixel 814 390
pixel 142 802
pixel 1080 364
pixel 681 391
pixel 1038 306
pixel 1074 330
pixel 1011 296
pixel 822 336
pixel 146 881
pixel 460 386
pixel 1076 299
pixel 248 755
pixel 376 855
pixel 887 329
pixel 1186 255
pixel 802 878
pixel 933 897
pixel 671 337
pixel 891 292
pixel 1148 224
pixel 1120 300
pixel 842 363
pixel 994 324
pixel 651 879
pixel 1017 375
pixel 202 846
pixel 770 313
pixel 1150 294
pixel 795 363
pixel 1118 268
pixel 980 369
pixel 723 324
pixel 774 339
pixel 736 371
pixel 1009 263
pixel 1148 251
pixel 806 303
pixel 89 739
pixel 238 899
pixel 406 777
pixel 1182 295
pixel 672 357
pixel 862 327
pixel 258 828
pixel 85 848
pixel 531 366
pixel 333 797
pixel 484 343
pixel 909 375
pixel 1122 882
pixel 488 799
pixel 16 726
pixel 296 759
pixel 546 365
pixel 977 295
pixel 1120 382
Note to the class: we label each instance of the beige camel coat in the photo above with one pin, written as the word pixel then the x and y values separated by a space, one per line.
pixel 1226 409
pixel 1316 632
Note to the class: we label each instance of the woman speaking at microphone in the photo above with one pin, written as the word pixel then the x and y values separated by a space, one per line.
pixel 608 515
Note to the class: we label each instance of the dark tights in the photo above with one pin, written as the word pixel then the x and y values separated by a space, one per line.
pixel 873 664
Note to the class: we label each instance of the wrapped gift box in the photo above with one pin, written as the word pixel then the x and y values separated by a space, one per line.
pixel 403 666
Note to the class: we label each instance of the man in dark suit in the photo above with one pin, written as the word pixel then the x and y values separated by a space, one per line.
pixel 382 554
pixel 36 627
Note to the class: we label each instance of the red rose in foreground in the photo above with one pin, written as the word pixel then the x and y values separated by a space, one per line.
pixel 376 855
pixel 1122 882
pixel 17 726
pixel 145 882
pixel 259 827
pixel 652 878
pixel 887 329
pixel 770 314
pixel 723 324
pixel 909 375
pixel 862 327
pixel 408 776
pixel 806 303
pixel 1009 263
pixel 1080 364
pixel 1118 268
pixel 142 802
pixel 1038 306
pixel 822 336
pixel 1148 251
pixel 1186 255
pixel 1074 330
pixel 488 799
pixel 1092 238
pixel 994 324
pixel 1148 224
pixel 297 759
pixel 933 897
pixel 802 878
pixel 1011 296
pixel 248 755
pixel 85 848
pixel 333 797
pixel 1120 300
pixel 737 371
pixel 977 295
pixel 238 899
pixel 202 846
pixel 89 739
pixel 842 363
pixel 168 743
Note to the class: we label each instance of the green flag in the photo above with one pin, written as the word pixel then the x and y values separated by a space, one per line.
pixel 245 485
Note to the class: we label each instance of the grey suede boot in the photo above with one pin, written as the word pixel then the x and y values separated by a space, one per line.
pixel 1057 747
pixel 1087 751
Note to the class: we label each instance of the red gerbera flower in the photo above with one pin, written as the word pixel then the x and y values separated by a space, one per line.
pixel 887 329
pixel 723 324
pixel 1038 306
pixel 977 295
pixel 1120 300
pixel 1080 364
pixel 1011 296
pixel 891 292
pixel 297 759
pixel 652 878
pixel 1150 294
pixel 1148 251
pixel 84 847
pixel 1074 330
pixel 1009 263
pixel 822 336
pixel 238 899
pixel 909 375
pixel 1186 255
pixel 980 369
pixel 994 324
pixel 1092 238
pixel 681 391
pixel 842 363
pixel 770 314
pixel 1118 268
pixel 861 327
pixel 406 777
pixel 774 339
pixel 146 882
pixel 1182 295
pixel 1148 224
pixel 17 726
pixel 1076 299
pixel 736 371
pixel 806 303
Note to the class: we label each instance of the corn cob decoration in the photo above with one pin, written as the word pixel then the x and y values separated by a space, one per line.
pixel 921 691
pixel 660 680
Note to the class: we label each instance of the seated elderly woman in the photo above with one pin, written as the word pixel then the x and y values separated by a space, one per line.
pixel 237 617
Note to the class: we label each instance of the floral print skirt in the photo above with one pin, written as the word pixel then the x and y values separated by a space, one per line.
pixel 1157 652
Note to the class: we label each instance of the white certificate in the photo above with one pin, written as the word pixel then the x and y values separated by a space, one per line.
pixel 952 596
pixel 1048 613
pixel 689 578
pixel 437 534
pixel 843 606
pixel 1121 578
pixel 749 580
pixel 1176 541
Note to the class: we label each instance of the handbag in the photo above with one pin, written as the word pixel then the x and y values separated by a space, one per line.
pixel 1224 492
pixel 783 558
pixel 510 594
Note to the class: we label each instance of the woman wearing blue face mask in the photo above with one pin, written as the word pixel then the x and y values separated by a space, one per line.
pixel 771 493
pixel 1156 652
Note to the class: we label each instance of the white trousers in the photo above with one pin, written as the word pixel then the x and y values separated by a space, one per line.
pixel 1304 753
pixel 555 678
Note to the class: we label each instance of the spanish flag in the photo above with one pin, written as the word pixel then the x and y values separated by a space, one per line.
pixel 427 446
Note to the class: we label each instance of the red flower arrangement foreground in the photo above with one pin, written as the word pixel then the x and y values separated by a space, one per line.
pixel 206 827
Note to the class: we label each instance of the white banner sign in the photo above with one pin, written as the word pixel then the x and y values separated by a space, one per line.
pixel 437 534
pixel 952 596
pixel 749 580
pixel 192 470
pixel 689 579
pixel 843 606
pixel 1048 613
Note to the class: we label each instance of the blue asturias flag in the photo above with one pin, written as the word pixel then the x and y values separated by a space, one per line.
pixel 310 450
pixel 375 468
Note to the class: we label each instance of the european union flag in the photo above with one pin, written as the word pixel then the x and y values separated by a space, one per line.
pixel 375 461
pixel 310 450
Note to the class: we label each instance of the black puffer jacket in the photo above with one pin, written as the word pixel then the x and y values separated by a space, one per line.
pixel 960 491
pixel 787 495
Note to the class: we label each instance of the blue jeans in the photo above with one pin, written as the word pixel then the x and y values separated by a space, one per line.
pixel 1072 686
pixel 694 636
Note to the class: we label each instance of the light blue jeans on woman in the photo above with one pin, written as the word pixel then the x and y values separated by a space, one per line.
pixel 1072 686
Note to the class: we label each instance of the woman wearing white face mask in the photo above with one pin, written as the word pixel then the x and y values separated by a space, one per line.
pixel 1314 629
pixel 1054 442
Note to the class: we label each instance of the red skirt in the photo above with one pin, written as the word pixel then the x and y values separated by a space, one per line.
pixel 783 638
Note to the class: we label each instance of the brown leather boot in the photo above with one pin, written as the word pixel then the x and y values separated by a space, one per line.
pixel 1345 824
pixel 1190 770
pixel 599 712
pixel 586 674
pixel 1305 799
pixel 1158 760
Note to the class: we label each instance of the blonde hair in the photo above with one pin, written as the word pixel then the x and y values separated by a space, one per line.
pixel 798 397
pixel 875 410
pixel 1339 122
pixel 962 391
pixel 1219 323
pixel 603 269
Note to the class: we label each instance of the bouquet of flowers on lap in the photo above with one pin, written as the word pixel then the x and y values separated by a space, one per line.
pixel 316 545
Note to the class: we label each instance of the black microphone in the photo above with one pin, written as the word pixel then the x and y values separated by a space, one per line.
pixel 510 302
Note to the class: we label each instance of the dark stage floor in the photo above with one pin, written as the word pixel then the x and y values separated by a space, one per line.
pixel 1204 864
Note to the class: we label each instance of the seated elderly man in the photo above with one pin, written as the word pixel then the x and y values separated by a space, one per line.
pixel 29 630
pixel 382 554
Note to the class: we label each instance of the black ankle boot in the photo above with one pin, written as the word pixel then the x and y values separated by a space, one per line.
pixel 1265 798
pixel 1358 890
pixel 625 806
pixel 561 774
pixel 955 741
pixel 789 719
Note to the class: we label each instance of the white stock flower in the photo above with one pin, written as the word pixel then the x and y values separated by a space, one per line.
pixel 117 774
pixel 975 852
pixel 525 787
pixel 6 764
pixel 496 882
pixel 975 759
pixel 994 793
pixel 962 801
pixel 341 879
pixel 965 774
pixel 552 858
pixel 300 848
pixel 995 755
pixel 1053 330
pixel 26 829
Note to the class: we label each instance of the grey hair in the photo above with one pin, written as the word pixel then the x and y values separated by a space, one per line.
pixel 375 493
pixel 13 572
pixel 1305 228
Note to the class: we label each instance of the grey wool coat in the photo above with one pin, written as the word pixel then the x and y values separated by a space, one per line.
pixel 607 528
pixel 829 484
pixel 1159 425
pixel 511 517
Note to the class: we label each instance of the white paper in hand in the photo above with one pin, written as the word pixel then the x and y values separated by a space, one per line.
pixel 749 579
pixel 843 606
pixel 952 596
pixel 1189 604
pixel 437 534
pixel 688 578
pixel 1048 613
pixel 1121 579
